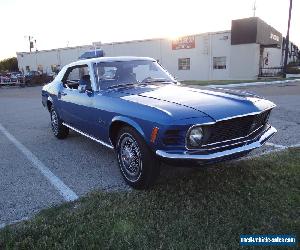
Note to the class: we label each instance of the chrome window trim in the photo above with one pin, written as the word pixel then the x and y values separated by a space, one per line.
pixel 88 136
pixel 225 119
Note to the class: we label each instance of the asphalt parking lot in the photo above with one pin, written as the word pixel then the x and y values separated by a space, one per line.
pixel 286 116
pixel 83 165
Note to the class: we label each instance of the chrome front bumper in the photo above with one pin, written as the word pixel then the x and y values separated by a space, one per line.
pixel 187 155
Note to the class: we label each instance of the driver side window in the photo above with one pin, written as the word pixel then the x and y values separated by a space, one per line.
pixel 77 75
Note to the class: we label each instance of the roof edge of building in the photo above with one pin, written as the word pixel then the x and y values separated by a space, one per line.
pixel 124 42
pixel 48 50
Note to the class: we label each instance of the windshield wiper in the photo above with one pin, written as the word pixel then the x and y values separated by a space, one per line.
pixel 151 80
pixel 121 85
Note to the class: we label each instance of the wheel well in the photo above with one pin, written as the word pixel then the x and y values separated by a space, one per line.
pixel 115 128
pixel 49 105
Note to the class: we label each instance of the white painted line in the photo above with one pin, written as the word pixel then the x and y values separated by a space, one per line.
pixel 276 145
pixel 13 222
pixel 245 84
pixel 64 190
pixel 295 146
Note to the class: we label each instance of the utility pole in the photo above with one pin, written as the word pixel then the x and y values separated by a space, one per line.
pixel 254 8
pixel 30 43
pixel 30 40
pixel 287 41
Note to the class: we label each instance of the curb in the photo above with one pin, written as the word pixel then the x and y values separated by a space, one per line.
pixel 232 85
pixel 3 225
pixel 276 150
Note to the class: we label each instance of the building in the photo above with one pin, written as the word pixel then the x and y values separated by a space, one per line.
pixel 250 49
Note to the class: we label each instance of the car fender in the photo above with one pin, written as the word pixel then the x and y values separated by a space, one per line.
pixel 49 99
pixel 46 98
pixel 129 121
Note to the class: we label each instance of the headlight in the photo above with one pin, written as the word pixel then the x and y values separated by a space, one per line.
pixel 195 136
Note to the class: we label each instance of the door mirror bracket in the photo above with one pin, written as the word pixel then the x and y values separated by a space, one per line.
pixel 81 88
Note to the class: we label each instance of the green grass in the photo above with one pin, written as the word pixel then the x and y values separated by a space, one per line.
pixel 219 82
pixel 204 208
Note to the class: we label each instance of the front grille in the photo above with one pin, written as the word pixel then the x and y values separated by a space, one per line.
pixel 234 128
pixel 173 137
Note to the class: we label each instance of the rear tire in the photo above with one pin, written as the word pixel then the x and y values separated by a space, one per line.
pixel 138 164
pixel 58 129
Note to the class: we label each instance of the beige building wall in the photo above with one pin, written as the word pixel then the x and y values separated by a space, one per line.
pixel 244 61
pixel 274 57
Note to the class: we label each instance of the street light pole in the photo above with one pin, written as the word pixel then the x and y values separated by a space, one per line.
pixel 287 40
pixel 29 43
pixel 30 40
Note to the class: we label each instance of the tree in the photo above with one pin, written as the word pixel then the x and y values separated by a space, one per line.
pixel 9 64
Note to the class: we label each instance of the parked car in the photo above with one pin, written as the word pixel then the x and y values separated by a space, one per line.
pixel 31 75
pixel 134 106
pixel 14 76
pixel 4 79
pixel 20 77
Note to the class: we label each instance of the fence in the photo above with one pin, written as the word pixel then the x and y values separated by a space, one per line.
pixel 270 72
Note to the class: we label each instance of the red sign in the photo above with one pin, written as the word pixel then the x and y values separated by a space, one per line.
pixel 186 42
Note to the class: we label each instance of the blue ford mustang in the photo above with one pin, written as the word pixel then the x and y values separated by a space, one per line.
pixel 133 105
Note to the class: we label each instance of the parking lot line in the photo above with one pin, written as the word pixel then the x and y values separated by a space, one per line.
pixel 63 189
pixel 13 222
pixel 276 145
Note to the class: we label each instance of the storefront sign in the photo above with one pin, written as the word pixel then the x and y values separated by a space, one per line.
pixel 186 42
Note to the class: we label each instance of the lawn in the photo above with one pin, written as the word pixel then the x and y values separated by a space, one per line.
pixel 207 208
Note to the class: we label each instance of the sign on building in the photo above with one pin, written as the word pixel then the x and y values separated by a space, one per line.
pixel 186 42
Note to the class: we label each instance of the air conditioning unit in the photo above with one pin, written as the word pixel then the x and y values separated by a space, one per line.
pixel 92 54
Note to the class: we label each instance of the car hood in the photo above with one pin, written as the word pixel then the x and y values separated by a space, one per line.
pixel 218 104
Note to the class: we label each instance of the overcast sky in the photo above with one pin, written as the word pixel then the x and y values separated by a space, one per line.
pixel 58 23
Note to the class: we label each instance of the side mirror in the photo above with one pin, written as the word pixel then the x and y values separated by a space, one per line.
pixel 81 88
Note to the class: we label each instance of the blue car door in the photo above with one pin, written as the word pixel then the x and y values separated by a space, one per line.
pixel 77 109
pixel 76 105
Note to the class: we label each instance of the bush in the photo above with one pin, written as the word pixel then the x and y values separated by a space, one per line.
pixel 293 70
pixel 40 80
pixel 293 64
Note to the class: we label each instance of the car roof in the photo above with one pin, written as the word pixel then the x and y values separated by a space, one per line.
pixel 110 59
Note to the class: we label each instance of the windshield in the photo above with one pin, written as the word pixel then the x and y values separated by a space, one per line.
pixel 119 73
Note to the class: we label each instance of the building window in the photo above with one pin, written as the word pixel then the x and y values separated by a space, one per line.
pixel 219 62
pixel 55 68
pixel 40 68
pixel 27 68
pixel 184 63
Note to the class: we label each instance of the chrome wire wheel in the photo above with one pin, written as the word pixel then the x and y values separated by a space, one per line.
pixel 129 156
pixel 54 122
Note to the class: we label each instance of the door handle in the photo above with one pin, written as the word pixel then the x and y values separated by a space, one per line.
pixel 63 93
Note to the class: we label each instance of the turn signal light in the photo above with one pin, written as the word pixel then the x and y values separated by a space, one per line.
pixel 154 134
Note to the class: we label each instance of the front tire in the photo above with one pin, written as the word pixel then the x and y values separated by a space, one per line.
pixel 138 165
pixel 58 129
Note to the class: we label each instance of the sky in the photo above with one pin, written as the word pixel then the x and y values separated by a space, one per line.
pixel 62 23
